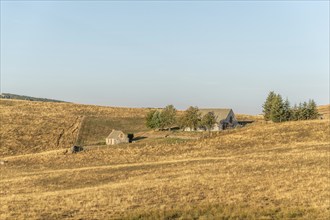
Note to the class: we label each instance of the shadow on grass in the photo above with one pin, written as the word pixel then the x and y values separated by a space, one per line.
pixel 138 138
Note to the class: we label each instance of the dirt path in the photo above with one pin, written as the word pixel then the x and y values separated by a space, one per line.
pixel 119 166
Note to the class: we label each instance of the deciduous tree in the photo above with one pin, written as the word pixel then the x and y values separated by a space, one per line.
pixel 191 118
pixel 168 117
pixel 208 121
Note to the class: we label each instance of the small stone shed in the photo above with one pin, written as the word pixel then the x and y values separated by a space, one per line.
pixel 116 137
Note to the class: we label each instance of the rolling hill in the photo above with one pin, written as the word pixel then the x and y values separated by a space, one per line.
pixel 29 127
pixel 262 171
pixel 27 98
pixel 324 110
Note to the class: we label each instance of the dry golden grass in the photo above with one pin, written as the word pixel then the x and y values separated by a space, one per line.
pixel 28 127
pixel 262 171
pixel 244 117
pixel 324 110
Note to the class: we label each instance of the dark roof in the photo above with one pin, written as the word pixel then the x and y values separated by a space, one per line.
pixel 220 113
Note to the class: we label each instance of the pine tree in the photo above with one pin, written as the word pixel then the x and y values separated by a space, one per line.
pixel 277 109
pixel 312 109
pixel 267 106
pixel 287 111
pixel 294 113
pixel 304 113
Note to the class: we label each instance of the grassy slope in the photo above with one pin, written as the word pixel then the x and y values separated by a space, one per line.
pixel 28 126
pixel 324 110
pixel 23 97
pixel 95 129
pixel 262 171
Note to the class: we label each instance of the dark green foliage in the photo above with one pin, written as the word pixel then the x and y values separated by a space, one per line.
pixel 168 117
pixel 156 120
pixel 277 110
pixel 208 121
pixel 150 123
pixel 191 118
pixel 312 109
pixel 305 111
pixel 280 110
pixel 267 106
pixel 287 111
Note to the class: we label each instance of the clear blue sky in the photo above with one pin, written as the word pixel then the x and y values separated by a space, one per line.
pixel 154 53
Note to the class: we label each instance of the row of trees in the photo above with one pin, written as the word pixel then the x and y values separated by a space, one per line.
pixel 168 118
pixel 278 110
pixel 161 119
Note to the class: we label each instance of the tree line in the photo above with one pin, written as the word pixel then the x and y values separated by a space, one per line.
pixel 167 118
pixel 278 110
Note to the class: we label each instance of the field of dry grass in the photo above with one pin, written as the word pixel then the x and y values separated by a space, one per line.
pixel 28 127
pixel 324 110
pixel 244 117
pixel 262 171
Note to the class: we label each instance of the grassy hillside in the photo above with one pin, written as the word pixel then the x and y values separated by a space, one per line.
pixel 324 110
pixel 263 171
pixel 28 127
pixel 244 117
pixel 95 129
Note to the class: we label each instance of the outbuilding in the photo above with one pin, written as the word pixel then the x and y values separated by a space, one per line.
pixel 116 137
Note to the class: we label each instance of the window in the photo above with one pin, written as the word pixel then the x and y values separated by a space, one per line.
pixel 231 119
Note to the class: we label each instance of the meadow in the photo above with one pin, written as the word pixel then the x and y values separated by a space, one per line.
pixel 261 171
pixel 31 127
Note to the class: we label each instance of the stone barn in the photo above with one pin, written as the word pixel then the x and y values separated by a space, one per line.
pixel 225 119
pixel 116 137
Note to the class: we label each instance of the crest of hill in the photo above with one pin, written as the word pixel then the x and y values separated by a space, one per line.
pixel 324 110
pixel 28 98
pixel 28 127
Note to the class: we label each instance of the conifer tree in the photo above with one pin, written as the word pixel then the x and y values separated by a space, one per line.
pixel 312 110
pixel 294 113
pixel 287 111
pixel 267 106
pixel 277 109
pixel 304 111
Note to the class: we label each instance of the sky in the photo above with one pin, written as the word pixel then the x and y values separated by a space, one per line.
pixel 221 54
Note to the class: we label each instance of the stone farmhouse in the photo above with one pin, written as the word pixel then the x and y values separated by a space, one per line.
pixel 225 119
pixel 116 137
